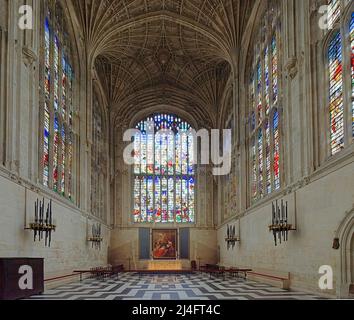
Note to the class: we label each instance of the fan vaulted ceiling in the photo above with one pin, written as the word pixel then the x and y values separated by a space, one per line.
pixel 163 52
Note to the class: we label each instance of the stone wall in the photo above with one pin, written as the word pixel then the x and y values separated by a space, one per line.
pixel 321 206
pixel 70 249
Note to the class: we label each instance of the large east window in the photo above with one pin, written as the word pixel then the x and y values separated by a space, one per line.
pixel 164 173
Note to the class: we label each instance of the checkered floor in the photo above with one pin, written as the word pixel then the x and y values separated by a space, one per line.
pixel 182 287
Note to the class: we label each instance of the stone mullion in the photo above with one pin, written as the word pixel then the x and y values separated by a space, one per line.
pixel 3 45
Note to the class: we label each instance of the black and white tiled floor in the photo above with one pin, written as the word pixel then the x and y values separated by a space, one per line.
pixel 195 287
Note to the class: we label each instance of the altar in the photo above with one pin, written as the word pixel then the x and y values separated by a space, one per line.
pixel 165 265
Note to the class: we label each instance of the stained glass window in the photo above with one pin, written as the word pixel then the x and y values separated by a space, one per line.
pixel 340 71
pixel 351 29
pixel 164 183
pixel 336 108
pixel 57 84
pixel 264 103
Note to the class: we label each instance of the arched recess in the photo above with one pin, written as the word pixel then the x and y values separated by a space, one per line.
pixel 182 98
pixel 100 163
pixel 228 185
pixel 345 238
pixel 167 99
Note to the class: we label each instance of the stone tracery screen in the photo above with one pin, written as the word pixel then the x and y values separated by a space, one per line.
pixel 164 173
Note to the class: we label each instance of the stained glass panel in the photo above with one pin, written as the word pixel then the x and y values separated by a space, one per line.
pixel 191 199
pixel 275 69
pixel 137 204
pixel 56 153
pixel 267 81
pixel 260 162
pixel 63 159
pixel 268 159
pixel 352 65
pixel 336 108
pixel 259 92
pixel 276 157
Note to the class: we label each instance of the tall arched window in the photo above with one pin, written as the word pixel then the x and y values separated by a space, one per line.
pixel 164 174
pixel 340 55
pixel 264 103
pixel 57 103
pixel 99 162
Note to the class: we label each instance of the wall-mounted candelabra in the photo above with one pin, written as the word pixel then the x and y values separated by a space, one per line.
pixel 231 237
pixel 43 225
pixel 96 238
pixel 280 226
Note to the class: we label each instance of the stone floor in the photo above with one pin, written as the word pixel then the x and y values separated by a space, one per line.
pixel 182 287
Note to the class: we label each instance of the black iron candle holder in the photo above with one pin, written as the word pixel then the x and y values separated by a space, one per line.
pixel 43 225
pixel 96 238
pixel 280 226
pixel 231 237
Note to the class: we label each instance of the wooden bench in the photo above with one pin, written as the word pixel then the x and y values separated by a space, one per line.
pixel 213 270
pixel 277 279
pixel 238 273
pixel 101 272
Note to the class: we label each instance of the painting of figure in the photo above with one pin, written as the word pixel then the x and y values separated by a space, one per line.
pixel 164 243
